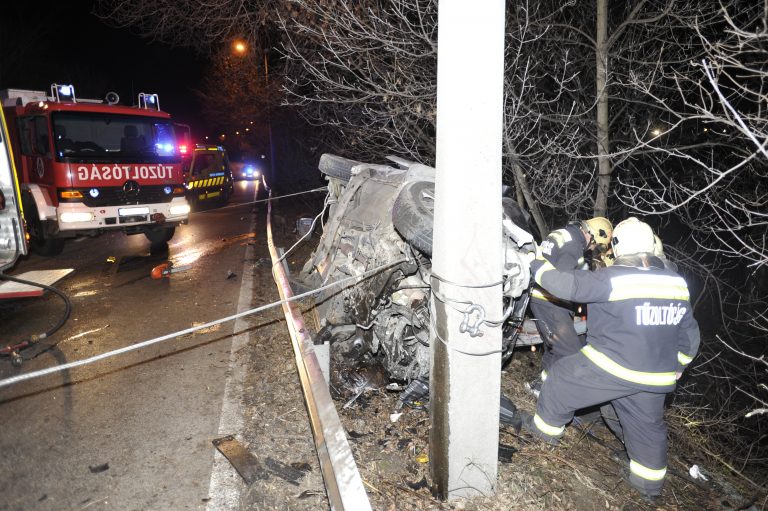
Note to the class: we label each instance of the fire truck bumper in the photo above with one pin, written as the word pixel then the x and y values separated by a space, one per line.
pixel 77 216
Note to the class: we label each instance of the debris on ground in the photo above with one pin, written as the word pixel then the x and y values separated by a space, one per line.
pixel 95 469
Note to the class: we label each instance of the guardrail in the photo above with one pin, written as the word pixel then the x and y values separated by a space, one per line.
pixel 343 482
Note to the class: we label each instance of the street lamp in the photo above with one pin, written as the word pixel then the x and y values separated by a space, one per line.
pixel 239 47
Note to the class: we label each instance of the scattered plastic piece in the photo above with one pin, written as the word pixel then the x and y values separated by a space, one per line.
pixel 506 452
pixel 419 484
pixel 286 472
pixel 697 473
pixel 394 417
pixel 422 458
pixel 95 469
pixel 231 274
pixel 111 259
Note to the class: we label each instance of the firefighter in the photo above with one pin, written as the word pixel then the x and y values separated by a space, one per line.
pixel 658 251
pixel 641 336
pixel 564 249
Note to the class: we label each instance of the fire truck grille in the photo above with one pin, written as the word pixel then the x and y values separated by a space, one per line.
pixel 115 196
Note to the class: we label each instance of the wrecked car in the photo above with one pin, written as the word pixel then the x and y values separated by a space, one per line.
pixel 377 244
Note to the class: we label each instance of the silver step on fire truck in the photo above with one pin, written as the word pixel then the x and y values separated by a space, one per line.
pixel 87 166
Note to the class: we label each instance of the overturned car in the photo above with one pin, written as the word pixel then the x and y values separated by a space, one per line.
pixel 377 245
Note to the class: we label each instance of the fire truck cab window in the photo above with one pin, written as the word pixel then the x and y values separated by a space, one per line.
pixel 93 136
pixel 132 142
pixel 26 133
pixel 42 140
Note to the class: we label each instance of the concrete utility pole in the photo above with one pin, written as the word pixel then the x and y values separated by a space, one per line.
pixel 465 371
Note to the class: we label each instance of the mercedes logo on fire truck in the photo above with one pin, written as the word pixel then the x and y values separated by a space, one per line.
pixel 131 188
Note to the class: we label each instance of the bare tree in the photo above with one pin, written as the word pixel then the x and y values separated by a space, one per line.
pixel 367 70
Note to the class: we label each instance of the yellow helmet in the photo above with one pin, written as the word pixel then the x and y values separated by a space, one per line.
pixel 601 230
pixel 608 257
pixel 632 236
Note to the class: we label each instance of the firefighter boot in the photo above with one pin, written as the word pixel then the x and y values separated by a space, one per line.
pixel 530 426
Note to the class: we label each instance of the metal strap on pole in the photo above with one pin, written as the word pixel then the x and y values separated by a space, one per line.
pixel 343 483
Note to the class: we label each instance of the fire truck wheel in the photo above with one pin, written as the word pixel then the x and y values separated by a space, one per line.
pixel 38 241
pixel 161 235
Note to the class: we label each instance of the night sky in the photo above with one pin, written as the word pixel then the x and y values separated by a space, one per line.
pixel 66 43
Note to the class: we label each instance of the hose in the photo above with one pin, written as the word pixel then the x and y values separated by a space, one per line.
pixel 12 350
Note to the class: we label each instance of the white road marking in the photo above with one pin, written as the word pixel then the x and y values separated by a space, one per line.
pixel 226 485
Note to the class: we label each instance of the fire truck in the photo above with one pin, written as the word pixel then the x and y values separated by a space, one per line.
pixel 88 166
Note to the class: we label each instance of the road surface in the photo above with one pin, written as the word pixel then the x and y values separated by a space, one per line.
pixel 134 431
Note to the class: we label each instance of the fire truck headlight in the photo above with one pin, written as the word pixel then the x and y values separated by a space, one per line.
pixel 70 217
pixel 168 190
pixel 180 209
pixel 93 192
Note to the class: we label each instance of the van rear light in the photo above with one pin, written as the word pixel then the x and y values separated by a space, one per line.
pixel 70 194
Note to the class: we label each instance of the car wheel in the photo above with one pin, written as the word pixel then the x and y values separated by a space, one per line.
pixel 336 166
pixel 413 214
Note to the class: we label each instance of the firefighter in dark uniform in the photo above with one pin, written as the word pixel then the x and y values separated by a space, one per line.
pixel 641 335
pixel 564 249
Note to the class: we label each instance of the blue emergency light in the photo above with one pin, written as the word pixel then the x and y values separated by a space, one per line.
pixel 149 101
pixel 63 92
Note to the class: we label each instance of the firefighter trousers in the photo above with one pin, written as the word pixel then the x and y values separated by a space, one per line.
pixel 575 382
pixel 555 326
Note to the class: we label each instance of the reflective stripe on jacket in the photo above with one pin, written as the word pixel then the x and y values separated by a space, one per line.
pixel 640 324
pixel 564 249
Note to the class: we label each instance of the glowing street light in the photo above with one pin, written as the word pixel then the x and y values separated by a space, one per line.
pixel 656 132
pixel 239 47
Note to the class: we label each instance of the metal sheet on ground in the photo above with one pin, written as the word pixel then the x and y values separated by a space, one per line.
pixel 244 462
pixel 9 289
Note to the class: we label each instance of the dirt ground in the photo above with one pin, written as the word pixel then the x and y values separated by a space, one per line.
pixel 583 473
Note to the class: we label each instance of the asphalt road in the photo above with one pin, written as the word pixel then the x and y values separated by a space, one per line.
pixel 133 431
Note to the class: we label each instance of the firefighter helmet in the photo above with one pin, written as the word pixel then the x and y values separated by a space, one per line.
pixel 632 236
pixel 658 247
pixel 600 228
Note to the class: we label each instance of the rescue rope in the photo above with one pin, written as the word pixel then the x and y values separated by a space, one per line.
pixel 314 190
pixel 64 367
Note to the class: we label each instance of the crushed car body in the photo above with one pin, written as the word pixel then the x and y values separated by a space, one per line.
pixel 379 229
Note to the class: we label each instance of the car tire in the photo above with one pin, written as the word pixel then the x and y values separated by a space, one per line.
pixel 518 215
pixel 413 214
pixel 337 167
pixel 161 235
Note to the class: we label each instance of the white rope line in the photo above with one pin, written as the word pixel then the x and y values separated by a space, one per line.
pixel 241 204
pixel 63 367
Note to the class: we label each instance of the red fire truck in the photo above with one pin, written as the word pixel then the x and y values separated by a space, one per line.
pixel 87 166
